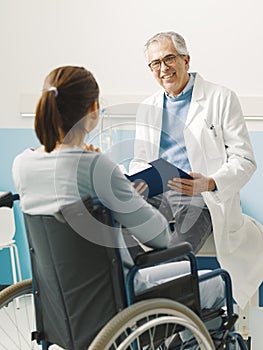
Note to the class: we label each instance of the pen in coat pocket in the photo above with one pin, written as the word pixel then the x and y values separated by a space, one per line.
pixel 211 127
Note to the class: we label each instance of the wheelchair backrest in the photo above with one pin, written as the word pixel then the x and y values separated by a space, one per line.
pixel 78 283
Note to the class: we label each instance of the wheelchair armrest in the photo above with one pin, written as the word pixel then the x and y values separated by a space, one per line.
pixel 158 256
pixel 7 199
pixel 228 286
pixel 187 282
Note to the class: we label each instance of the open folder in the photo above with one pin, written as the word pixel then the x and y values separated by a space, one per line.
pixel 157 176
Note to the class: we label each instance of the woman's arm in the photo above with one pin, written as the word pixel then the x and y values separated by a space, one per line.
pixel 146 223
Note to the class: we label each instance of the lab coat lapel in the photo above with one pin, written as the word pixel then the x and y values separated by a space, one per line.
pixel 196 102
pixel 156 119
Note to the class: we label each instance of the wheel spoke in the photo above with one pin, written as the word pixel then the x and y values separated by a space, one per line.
pixel 17 317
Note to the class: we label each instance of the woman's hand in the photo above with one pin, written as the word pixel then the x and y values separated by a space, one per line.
pixel 90 148
pixel 191 187
pixel 140 187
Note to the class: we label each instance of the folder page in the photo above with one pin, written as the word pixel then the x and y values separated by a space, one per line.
pixel 157 176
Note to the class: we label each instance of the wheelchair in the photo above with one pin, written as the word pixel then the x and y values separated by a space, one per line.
pixel 78 298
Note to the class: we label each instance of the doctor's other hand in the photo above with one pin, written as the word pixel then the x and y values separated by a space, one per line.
pixel 191 187
pixel 140 187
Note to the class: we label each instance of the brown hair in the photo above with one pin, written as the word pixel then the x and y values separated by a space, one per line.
pixel 68 94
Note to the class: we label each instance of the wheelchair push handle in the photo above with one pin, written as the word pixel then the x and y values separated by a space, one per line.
pixel 7 199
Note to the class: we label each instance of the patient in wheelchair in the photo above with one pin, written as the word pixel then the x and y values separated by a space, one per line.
pixel 65 169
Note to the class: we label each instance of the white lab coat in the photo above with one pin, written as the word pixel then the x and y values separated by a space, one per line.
pixel 218 146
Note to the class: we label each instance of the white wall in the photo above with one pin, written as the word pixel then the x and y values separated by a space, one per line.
pixel 107 36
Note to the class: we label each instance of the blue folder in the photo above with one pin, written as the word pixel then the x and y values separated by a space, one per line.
pixel 157 176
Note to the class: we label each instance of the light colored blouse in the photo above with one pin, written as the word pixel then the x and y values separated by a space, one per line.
pixel 46 181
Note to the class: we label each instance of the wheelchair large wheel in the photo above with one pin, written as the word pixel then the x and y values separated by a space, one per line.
pixel 154 324
pixel 17 317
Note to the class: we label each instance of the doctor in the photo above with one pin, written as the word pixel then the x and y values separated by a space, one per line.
pixel 199 127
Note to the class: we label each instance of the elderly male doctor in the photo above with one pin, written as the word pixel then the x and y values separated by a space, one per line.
pixel 199 127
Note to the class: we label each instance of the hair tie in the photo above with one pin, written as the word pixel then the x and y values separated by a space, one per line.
pixel 53 88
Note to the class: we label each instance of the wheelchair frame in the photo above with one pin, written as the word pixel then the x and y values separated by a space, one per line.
pixel 155 310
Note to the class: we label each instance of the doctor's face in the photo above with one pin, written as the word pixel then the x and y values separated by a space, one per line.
pixel 169 68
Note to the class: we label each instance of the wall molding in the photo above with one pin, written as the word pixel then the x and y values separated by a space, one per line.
pixel 127 105
pixel 121 109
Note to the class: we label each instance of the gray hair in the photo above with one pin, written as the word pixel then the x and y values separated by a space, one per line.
pixel 177 39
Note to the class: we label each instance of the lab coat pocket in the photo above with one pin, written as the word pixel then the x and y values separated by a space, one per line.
pixel 213 142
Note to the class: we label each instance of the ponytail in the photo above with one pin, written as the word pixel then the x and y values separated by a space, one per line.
pixel 48 121
pixel 68 94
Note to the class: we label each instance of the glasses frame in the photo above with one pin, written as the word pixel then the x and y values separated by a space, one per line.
pixel 159 61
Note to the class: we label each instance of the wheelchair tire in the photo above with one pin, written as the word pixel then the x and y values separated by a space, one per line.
pixel 17 317
pixel 153 324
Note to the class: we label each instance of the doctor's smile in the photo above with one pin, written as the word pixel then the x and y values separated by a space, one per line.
pixel 166 76
pixel 169 67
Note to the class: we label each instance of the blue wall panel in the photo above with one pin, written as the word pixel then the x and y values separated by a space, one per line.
pixel 251 194
pixel 13 142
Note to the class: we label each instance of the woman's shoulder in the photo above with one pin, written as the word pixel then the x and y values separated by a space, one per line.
pixel 103 161
pixel 28 152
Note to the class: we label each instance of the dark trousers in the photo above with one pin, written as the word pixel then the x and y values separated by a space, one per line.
pixel 189 221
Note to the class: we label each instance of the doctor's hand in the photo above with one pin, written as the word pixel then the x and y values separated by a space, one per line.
pixel 191 187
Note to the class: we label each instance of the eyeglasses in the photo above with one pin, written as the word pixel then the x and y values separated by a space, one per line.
pixel 168 60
